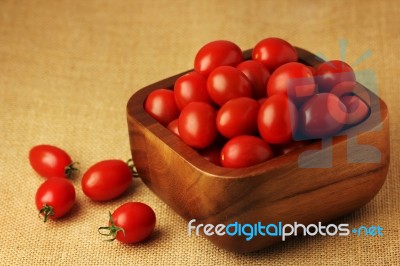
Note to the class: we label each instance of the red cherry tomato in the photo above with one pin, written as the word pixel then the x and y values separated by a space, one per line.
pixel 191 87
pixel 357 109
pixel 277 120
pixel 322 116
pixel 196 124
pixel 274 52
pixel 173 127
pixel 130 223
pixel 106 180
pixel 226 82
pixel 258 75
pixel 331 73
pixel 50 161
pixel 238 117
pixel 294 80
pixel 212 154
pixel 215 54
pixel 55 198
pixel 160 104
pixel 244 151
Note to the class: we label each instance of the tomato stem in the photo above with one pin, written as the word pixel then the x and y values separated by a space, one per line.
pixel 46 210
pixel 111 230
pixel 131 165
pixel 71 169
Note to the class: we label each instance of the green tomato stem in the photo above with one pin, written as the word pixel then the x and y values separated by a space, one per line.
pixel 46 211
pixel 111 230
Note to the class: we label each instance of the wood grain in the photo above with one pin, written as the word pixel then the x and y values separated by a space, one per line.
pixel 283 189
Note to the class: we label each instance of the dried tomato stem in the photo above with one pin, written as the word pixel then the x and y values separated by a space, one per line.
pixel 131 165
pixel 71 169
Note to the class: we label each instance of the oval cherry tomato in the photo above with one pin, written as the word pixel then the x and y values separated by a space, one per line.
pixel 244 151
pixel 322 116
pixel 294 80
pixel 130 223
pixel 50 161
pixel 277 120
pixel 258 76
pixel 160 104
pixel 331 73
pixel 106 180
pixel 226 82
pixel 357 109
pixel 55 198
pixel 191 87
pixel 173 127
pixel 215 54
pixel 274 52
pixel 196 124
pixel 238 117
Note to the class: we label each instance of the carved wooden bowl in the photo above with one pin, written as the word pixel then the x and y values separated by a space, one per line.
pixel 290 188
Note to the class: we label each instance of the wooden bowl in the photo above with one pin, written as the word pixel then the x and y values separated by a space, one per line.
pixel 291 188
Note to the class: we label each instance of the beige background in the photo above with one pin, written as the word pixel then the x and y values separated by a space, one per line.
pixel 67 69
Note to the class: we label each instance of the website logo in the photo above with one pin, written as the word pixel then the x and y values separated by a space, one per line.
pixel 281 230
pixel 356 153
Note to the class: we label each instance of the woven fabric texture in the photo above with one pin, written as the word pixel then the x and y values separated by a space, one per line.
pixel 68 68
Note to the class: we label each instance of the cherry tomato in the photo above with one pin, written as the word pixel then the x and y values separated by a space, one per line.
pixel 244 151
pixel 215 54
pixel 357 109
pixel 160 104
pixel 191 87
pixel 331 73
pixel 322 116
pixel 238 117
pixel 277 119
pixel 196 124
pixel 274 52
pixel 258 75
pixel 130 223
pixel 50 161
pixel 106 180
pixel 55 198
pixel 173 127
pixel 212 154
pixel 294 80
pixel 226 82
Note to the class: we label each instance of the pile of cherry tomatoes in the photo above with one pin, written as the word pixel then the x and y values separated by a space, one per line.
pixel 238 113
pixel 131 222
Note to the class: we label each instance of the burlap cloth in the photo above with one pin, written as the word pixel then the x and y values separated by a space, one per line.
pixel 67 69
